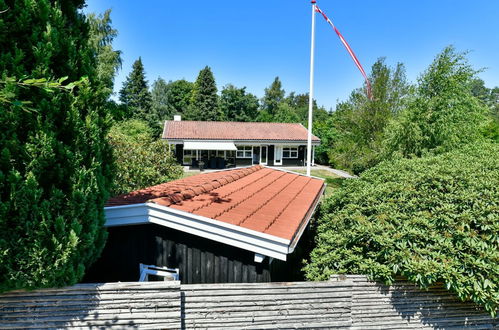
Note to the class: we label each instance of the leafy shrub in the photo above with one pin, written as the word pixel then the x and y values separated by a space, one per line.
pixel 430 220
pixel 55 164
pixel 141 161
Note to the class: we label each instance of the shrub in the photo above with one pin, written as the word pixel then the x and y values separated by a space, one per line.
pixel 55 164
pixel 429 219
pixel 141 161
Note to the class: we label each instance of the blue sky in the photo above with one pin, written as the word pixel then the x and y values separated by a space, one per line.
pixel 248 43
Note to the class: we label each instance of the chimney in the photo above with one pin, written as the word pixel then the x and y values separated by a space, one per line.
pixel 177 118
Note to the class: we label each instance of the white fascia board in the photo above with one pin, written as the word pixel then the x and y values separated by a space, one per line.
pixel 304 225
pixel 248 142
pixel 246 239
pixel 126 215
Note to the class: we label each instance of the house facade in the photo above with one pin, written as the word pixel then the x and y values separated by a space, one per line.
pixel 221 145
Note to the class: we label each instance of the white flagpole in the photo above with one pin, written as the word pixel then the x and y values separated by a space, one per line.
pixel 311 92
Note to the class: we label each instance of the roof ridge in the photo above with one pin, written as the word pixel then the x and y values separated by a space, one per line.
pixel 208 185
pixel 286 206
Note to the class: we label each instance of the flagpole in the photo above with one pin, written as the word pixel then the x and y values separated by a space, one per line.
pixel 311 92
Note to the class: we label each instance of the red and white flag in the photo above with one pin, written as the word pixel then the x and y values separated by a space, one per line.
pixel 350 51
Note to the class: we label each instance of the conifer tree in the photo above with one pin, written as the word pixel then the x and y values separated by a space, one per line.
pixel 135 95
pixel 204 101
pixel 274 95
pixel 55 163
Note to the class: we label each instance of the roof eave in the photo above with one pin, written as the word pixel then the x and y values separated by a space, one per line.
pixel 246 239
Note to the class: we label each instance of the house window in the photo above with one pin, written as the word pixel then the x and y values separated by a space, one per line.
pixel 244 152
pixel 189 155
pixel 290 152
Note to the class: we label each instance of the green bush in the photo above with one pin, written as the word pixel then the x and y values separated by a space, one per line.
pixel 55 164
pixel 141 161
pixel 430 220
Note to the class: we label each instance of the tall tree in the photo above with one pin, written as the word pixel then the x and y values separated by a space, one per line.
pixel 237 105
pixel 444 113
pixel 55 163
pixel 108 59
pixel 159 93
pixel 179 96
pixel 204 100
pixel 360 122
pixel 274 95
pixel 135 95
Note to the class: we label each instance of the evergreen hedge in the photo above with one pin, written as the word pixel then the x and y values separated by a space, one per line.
pixel 433 219
pixel 55 162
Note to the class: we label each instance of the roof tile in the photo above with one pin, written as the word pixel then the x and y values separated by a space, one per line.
pixel 219 130
pixel 258 198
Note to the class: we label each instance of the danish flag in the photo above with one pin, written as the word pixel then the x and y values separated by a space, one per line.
pixel 349 49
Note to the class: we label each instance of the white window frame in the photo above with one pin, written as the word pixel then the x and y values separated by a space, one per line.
pixel 247 152
pixel 192 154
pixel 292 152
pixel 277 155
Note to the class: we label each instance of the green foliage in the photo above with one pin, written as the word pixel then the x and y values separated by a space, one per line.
pixel 160 105
pixel 444 113
pixel 135 95
pixel 179 96
pixel 141 161
pixel 55 165
pixel 101 38
pixel 204 99
pixel 360 123
pixel 237 105
pixel 428 219
pixel 274 95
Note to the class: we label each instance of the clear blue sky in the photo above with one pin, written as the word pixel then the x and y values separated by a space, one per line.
pixel 248 43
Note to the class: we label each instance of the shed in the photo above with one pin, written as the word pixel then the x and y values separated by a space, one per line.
pixel 239 225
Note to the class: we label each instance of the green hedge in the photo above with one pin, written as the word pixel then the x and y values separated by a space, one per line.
pixel 433 219
pixel 141 161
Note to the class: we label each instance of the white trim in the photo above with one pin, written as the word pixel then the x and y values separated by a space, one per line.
pixel 207 145
pixel 259 258
pixel 219 231
pixel 266 153
pixel 244 152
pixel 291 151
pixel 248 142
pixel 275 155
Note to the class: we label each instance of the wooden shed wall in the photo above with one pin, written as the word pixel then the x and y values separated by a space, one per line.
pixel 199 260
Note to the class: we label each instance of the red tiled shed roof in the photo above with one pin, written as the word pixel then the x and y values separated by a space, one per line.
pixel 220 130
pixel 259 198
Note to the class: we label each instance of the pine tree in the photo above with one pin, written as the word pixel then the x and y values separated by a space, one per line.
pixel 135 95
pixel 273 96
pixel 55 163
pixel 204 101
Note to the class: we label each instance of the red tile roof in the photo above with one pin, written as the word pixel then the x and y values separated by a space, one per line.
pixel 266 200
pixel 220 130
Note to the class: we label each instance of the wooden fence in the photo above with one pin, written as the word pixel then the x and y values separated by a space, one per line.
pixel 346 302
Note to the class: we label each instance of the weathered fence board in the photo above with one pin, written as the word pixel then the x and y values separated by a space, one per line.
pixel 345 302
pixel 144 305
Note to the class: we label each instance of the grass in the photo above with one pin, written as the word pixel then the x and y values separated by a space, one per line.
pixel 333 181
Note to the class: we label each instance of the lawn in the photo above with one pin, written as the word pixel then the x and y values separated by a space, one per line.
pixel 333 181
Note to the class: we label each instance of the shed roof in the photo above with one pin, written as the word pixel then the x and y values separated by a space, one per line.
pixel 234 131
pixel 261 199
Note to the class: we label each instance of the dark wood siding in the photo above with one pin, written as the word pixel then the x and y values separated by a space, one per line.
pixel 199 260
